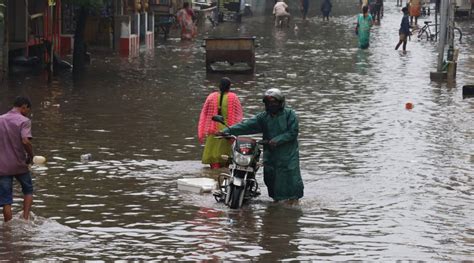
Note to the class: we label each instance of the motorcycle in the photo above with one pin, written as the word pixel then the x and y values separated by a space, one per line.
pixel 239 185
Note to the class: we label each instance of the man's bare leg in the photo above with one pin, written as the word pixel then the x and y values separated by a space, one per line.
pixel 7 213
pixel 27 202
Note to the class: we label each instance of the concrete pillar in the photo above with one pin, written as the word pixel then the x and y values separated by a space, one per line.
pixel 147 37
pixel 143 26
pixel 150 33
pixel 451 74
pixel 135 24
pixel 125 32
pixel 135 35
pixel 119 21
pixel 129 44
pixel 453 65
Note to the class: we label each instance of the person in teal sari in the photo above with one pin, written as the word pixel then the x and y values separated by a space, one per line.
pixel 281 163
pixel 364 23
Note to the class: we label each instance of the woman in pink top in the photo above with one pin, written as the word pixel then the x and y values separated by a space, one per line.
pixel 185 19
pixel 226 104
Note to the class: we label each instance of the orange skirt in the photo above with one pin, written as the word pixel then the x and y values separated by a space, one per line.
pixel 415 10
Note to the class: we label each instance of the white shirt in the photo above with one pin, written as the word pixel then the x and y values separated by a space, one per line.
pixel 280 9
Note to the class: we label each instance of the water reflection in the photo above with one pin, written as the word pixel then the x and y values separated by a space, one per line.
pixel 280 228
pixel 362 63
pixel 10 252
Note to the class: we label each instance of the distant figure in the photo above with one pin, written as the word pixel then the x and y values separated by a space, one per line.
pixel 226 104
pixel 304 8
pixel 371 5
pixel 404 31
pixel 326 7
pixel 186 21
pixel 248 10
pixel 364 23
pixel 16 152
pixel 281 14
pixel 378 12
pixel 415 10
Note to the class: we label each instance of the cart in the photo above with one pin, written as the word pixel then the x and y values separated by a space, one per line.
pixel 236 53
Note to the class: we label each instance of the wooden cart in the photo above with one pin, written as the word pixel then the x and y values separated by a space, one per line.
pixel 235 51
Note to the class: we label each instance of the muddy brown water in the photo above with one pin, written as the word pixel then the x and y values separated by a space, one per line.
pixel 381 182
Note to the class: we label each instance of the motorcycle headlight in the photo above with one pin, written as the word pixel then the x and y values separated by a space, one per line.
pixel 241 159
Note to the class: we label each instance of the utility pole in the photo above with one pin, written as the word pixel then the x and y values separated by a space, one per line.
pixel 437 7
pixel 51 3
pixel 452 51
pixel 452 7
pixel 442 33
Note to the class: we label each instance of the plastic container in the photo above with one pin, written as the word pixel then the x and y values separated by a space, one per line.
pixel 37 159
pixel 197 185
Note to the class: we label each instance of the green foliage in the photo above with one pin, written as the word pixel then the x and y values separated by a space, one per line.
pixel 93 4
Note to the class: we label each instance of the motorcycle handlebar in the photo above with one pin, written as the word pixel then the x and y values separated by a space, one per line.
pixel 225 136
pixel 230 136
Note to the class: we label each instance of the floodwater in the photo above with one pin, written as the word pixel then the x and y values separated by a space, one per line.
pixel 381 182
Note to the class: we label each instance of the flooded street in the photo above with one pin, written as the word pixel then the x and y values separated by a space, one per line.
pixel 382 183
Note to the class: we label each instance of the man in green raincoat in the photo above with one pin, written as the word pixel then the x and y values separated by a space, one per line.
pixel 281 162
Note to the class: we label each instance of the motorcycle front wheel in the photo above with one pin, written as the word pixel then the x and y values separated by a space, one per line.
pixel 237 197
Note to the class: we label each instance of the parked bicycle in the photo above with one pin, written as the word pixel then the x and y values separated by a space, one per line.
pixel 428 32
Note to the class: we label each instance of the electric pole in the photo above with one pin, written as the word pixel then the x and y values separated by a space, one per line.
pixel 442 32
